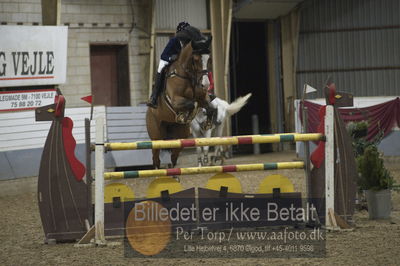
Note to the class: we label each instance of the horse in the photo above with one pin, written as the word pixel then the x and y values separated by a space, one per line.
pixel 200 128
pixel 184 92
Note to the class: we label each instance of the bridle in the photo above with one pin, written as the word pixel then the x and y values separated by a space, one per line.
pixel 194 77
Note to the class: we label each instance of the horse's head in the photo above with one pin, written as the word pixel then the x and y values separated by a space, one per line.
pixel 187 78
pixel 195 58
pixel 201 120
pixel 222 111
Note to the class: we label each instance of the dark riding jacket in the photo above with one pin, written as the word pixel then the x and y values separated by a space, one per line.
pixel 176 43
pixel 173 48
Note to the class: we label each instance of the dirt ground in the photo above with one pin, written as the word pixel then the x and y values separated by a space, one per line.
pixel 21 235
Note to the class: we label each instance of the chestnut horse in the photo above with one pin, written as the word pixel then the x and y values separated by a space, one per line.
pixel 186 84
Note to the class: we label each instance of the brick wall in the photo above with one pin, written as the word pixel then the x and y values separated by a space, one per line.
pixel 21 11
pixel 90 21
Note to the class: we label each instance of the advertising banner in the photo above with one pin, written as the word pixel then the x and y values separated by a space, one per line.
pixel 33 55
pixel 25 100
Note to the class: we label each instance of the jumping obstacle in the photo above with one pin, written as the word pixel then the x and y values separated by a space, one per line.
pixel 64 191
pixel 101 147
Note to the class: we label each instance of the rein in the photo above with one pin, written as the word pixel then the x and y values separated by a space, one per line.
pixel 181 117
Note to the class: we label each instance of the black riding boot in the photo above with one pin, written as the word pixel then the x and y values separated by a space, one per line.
pixel 155 93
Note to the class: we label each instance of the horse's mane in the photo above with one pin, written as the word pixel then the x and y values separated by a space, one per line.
pixel 185 54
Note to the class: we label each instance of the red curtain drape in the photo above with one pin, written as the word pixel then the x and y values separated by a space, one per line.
pixel 381 117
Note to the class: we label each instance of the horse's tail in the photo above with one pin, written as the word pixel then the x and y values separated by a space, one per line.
pixel 235 106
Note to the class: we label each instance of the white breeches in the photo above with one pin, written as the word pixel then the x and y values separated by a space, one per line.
pixel 161 65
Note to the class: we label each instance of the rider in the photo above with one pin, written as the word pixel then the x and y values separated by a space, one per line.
pixel 184 34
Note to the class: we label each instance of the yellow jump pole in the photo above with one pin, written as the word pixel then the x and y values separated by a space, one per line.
pixel 204 170
pixel 236 140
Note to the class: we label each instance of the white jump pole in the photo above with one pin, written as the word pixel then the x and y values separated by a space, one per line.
pixel 99 182
pixel 329 164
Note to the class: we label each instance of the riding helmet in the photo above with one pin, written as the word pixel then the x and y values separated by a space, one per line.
pixel 182 25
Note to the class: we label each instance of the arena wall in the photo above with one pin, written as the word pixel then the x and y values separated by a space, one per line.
pixel 94 22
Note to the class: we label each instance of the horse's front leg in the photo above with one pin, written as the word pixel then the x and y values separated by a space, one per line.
pixel 196 131
pixel 205 156
pixel 218 148
pixel 199 159
pixel 207 134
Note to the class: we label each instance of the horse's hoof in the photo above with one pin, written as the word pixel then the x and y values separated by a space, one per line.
pixel 176 178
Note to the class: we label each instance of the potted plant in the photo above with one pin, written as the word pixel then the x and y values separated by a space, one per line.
pixel 376 181
pixel 358 132
pixel 360 129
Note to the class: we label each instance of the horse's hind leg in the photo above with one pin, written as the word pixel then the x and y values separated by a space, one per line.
pixel 156 132
pixel 178 132
pixel 174 156
pixel 156 158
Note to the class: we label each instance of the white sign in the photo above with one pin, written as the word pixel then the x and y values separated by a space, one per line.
pixel 33 55
pixel 25 100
